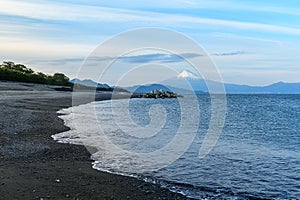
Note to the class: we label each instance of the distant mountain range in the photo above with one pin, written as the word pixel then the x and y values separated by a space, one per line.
pixel 89 83
pixel 188 82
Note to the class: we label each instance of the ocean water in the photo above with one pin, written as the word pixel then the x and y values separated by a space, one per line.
pixel 257 154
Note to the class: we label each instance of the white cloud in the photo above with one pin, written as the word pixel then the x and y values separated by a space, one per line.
pixel 230 5
pixel 69 12
pixel 72 12
pixel 22 49
pixel 45 38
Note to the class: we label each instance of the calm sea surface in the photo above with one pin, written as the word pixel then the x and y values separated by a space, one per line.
pixel 256 155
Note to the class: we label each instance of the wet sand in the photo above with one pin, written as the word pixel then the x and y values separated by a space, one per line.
pixel 34 166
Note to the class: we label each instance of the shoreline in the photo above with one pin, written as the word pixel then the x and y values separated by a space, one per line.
pixel 34 166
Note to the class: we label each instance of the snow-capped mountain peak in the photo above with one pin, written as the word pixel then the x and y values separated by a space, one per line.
pixel 187 74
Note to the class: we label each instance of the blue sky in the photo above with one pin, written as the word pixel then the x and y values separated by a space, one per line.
pixel 251 42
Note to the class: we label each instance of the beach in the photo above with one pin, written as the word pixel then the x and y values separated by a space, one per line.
pixel 34 166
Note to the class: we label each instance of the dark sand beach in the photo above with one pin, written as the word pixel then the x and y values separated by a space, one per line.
pixel 34 166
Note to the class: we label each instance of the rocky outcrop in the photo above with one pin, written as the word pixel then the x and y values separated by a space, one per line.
pixel 159 94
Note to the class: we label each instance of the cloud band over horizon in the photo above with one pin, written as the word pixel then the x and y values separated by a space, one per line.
pixel 238 36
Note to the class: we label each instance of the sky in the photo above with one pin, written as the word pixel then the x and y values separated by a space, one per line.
pixel 250 42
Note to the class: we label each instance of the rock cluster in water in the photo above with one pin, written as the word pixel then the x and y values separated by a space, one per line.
pixel 159 94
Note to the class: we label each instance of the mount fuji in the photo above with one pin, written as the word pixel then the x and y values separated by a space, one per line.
pixel 176 84
pixel 189 81
pixel 187 74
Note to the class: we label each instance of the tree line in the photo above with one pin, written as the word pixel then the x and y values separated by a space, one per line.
pixel 10 71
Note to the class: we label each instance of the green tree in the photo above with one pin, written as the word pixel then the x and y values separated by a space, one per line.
pixel 8 65
pixel 18 72
pixel 23 69
pixel 60 79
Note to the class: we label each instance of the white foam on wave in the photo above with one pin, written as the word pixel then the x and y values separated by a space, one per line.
pixel 91 125
pixel 123 145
